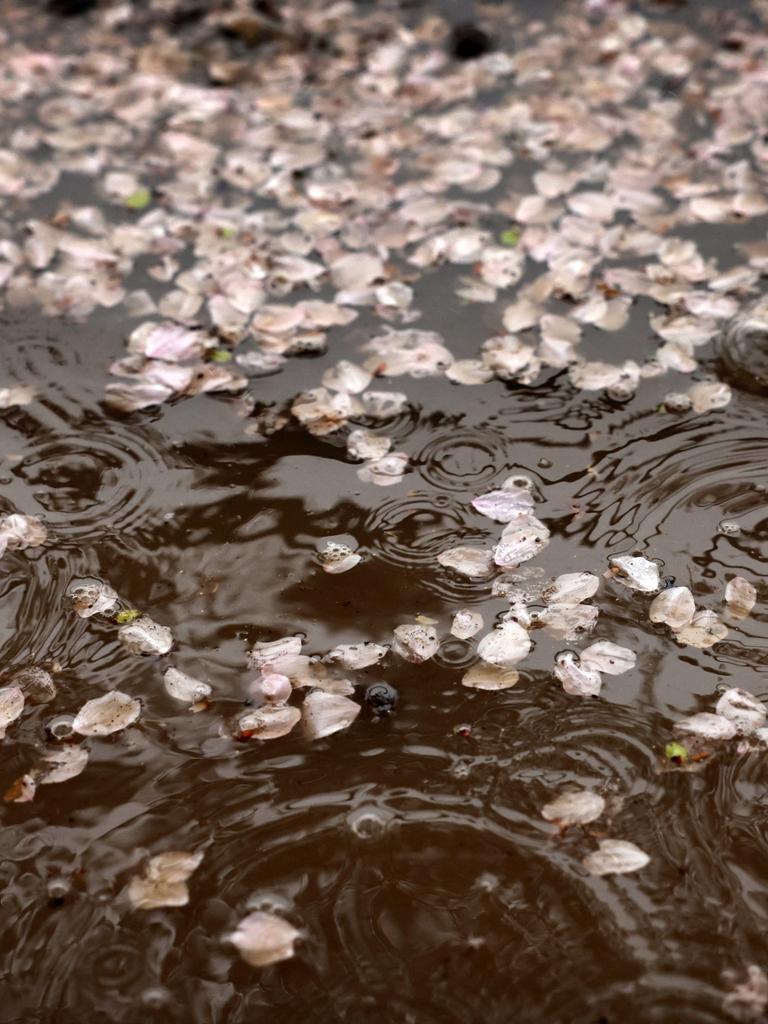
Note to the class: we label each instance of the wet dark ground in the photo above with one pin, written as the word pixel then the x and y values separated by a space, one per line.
pixel 409 850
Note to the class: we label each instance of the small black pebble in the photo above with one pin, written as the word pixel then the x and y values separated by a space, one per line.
pixel 469 41
pixel 382 697
pixel 667 582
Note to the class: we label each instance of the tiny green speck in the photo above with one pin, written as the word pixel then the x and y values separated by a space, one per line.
pixel 220 355
pixel 510 237
pixel 127 616
pixel 139 199
pixel 227 232
pixel 676 752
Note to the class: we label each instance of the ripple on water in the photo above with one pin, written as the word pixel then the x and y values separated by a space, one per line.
pixel 645 491
pixel 463 459
pixel 103 478
pixel 408 534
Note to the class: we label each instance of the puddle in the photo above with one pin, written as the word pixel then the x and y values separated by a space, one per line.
pixel 340 179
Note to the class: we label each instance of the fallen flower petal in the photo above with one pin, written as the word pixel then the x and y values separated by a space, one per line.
pixel 11 706
pixel 468 561
pixel 326 713
pixel 268 722
pixel 615 857
pixel 264 939
pixel 415 643
pixel 740 597
pixel 105 715
pixel 182 687
pixel 743 709
pixel 674 607
pixel 505 645
pixel 164 882
pixel 603 656
pixel 145 636
pixel 576 808
pixel 466 623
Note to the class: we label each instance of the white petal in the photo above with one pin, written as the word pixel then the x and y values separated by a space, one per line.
pixel 11 706
pixel 505 645
pixel 490 677
pixel 674 607
pixel 268 722
pixel 706 396
pixel 61 765
pixel 466 623
pixel 274 688
pixel 568 621
pixel 93 599
pixel 336 558
pixel 615 857
pixel 468 561
pixel 145 636
pixel 704 630
pixel 164 882
pixel 577 679
pixel 504 505
pixel 382 405
pixel 607 657
pixel 364 444
pixel 356 656
pixel 356 270
pixel 743 709
pixel 346 376
pixel 19 531
pixel 577 808
pixel 264 939
pixel 636 573
pixel 707 726
pixel 386 471
pixel 740 597
pixel 572 588
pixel 415 643
pixel 265 652
pixel 469 372
pixel 104 715
pixel 522 539
pixel 180 686
pixel 326 713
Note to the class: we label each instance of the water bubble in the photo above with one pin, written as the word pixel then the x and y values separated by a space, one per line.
pixel 58 889
pixel 370 823
pixel 60 727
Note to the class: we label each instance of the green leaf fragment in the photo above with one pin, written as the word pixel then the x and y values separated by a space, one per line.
pixel 510 237
pixel 227 232
pixel 139 199
pixel 676 752
pixel 129 615
pixel 220 355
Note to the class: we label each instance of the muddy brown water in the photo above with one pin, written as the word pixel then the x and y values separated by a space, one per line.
pixel 410 850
